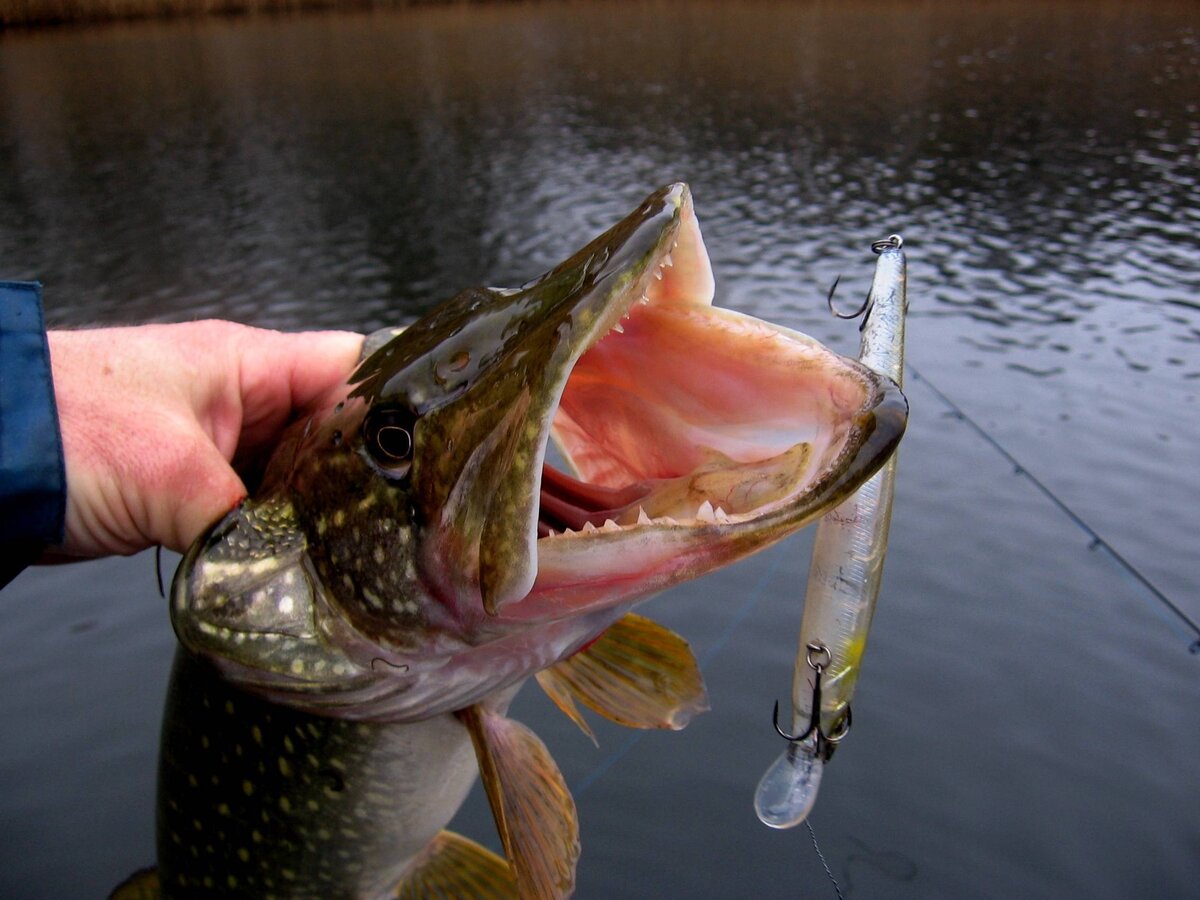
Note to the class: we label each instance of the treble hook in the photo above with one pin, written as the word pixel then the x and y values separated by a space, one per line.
pixel 825 743
pixel 891 242
pixel 863 310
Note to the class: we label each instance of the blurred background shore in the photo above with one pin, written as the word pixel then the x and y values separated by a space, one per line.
pixel 48 13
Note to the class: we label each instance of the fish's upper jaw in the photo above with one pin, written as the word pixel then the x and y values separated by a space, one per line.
pixel 654 259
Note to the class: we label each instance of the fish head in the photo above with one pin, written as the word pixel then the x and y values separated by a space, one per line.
pixel 412 549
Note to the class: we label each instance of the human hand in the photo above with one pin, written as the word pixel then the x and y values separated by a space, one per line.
pixel 153 416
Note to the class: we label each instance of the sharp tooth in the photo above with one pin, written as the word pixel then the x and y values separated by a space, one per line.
pixel 645 298
pixel 589 527
pixel 619 328
pixel 610 525
pixel 667 261
pixel 658 273
pixel 705 513
pixel 722 516
pixel 643 519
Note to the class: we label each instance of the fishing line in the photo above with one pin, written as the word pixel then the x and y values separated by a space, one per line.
pixel 399 667
pixel 158 570
pixel 1096 541
pixel 756 594
pixel 821 856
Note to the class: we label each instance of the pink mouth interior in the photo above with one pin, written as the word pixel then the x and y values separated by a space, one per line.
pixel 685 387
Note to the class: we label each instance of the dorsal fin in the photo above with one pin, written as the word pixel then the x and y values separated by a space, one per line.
pixel 455 866
pixel 637 674
pixel 533 809
pixel 377 339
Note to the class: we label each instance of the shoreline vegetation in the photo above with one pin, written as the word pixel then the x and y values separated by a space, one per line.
pixel 48 13
pixel 35 14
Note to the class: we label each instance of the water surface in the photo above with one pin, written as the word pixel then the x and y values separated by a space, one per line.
pixel 1026 721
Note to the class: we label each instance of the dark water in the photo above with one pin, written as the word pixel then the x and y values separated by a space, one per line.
pixel 1027 722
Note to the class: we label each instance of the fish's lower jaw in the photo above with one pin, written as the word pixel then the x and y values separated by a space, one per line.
pixel 705 514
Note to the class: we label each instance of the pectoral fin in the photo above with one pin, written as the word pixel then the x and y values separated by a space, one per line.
pixel 534 811
pixel 637 674
pixel 455 866
pixel 559 689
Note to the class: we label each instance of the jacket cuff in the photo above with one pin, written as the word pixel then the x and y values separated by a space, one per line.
pixel 33 494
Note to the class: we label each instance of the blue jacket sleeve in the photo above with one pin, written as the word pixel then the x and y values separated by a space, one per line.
pixel 33 494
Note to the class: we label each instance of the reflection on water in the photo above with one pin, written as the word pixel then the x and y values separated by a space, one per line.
pixel 1041 162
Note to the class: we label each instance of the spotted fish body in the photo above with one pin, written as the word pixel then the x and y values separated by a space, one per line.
pixel 411 557
pixel 258 799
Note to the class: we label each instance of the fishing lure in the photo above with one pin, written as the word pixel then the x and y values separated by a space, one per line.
pixel 843 580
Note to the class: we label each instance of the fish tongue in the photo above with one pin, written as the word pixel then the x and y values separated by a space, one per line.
pixel 533 809
pixel 567 502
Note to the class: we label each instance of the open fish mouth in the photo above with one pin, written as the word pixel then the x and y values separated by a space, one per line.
pixel 695 435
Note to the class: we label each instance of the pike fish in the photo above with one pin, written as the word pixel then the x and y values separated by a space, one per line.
pixel 412 557
pixel 843 581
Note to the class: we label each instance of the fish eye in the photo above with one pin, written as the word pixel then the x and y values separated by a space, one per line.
pixel 388 435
